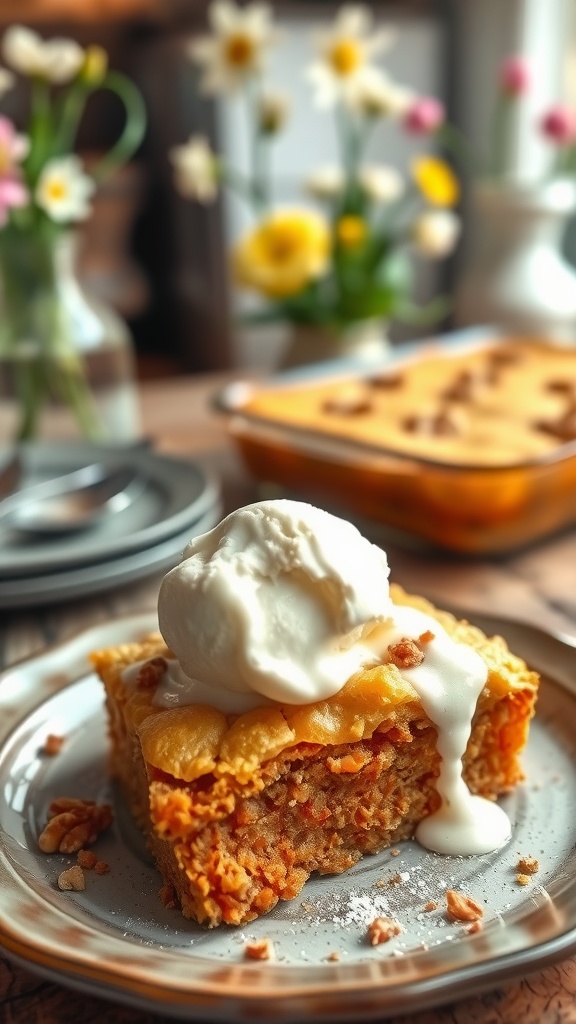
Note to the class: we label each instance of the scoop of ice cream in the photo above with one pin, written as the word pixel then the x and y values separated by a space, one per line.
pixel 280 599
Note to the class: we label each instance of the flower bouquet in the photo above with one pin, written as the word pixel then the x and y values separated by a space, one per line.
pixel 44 192
pixel 345 261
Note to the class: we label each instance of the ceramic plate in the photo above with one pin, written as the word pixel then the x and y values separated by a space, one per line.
pixel 116 939
pixel 175 493
pixel 87 580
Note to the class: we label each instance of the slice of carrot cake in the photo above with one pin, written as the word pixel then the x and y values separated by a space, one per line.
pixel 296 713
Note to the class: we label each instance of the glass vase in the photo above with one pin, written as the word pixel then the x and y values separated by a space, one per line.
pixel 516 275
pixel 366 341
pixel 66 358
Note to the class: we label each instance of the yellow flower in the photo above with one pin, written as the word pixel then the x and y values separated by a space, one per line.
pixel 436 181
pixel 95 65
pixel 283 254
pixel 351 231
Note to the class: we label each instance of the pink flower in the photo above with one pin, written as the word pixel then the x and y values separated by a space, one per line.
pixel 559 125
pixel 424 116
pixel 515 76
pixel 12 193
pixel 13 148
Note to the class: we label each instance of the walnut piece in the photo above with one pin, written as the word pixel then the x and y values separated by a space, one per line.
pixel 523 879
pixel 405 654
pixel 73 824
pixel 151 673
pixel 261 949
pixel 72 879
pixel 461 907
pixel 382 929
pixel 430 906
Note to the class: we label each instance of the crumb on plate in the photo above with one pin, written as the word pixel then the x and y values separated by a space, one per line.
pixel 461 907
pixel 72 879
pixel 382 929
pixel 259 949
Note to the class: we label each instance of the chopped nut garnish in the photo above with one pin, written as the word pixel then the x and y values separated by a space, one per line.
pixel 382 929
pixel 405 654
pixel 528 865
pixel 151 673
pixel 101 867
pixel 72 879
pixel 261 949
pixel 73 824
pixel 445 423
pixel 394 853
pixel 308 907
pixel 465 386
pixel 87 859
pixel 426 637
pixel 334 956
pixel 167 897
pixel 461 907
pixel 386 381
pixel 564 428
pixel 52 745
pixel 523 879
pixel 395 880
pixel 347 405
pixel 430 906
pixel 562 387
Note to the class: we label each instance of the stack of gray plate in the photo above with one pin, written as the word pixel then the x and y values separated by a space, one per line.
pixel 175 501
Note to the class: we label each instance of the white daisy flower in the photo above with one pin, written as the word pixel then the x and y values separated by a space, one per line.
pixel 7 80
pixel 55 60
pixel 325 183
pixel 196 169
pixel 63 190
pixel 238 46
pixel 345 54
pixel 435 233
pixel 373 94
pixel 382 184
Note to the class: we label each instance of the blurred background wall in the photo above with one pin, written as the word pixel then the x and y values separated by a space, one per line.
pixel 162 260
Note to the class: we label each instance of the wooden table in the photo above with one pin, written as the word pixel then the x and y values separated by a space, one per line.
pixel 537 585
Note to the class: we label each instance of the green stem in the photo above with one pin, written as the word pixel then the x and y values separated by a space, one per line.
pixel 41 130
pixel 259 178
pixel 500 134
pixel 69 116
pixel 134 128
pixel 452 139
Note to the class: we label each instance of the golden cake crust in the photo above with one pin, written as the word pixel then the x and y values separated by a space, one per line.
pixel 493 404
pixel 239 810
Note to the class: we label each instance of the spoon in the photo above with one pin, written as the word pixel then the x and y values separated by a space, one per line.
pixel 72 502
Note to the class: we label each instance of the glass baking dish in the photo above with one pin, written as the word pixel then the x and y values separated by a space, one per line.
pixel 461 507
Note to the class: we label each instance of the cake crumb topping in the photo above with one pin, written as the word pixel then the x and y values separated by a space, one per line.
pixel 405 654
